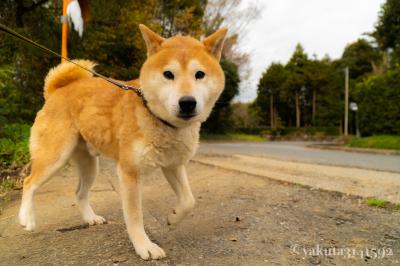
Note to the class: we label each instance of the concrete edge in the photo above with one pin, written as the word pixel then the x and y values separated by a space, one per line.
pixel 392 204
pixel 280 181
pixel 338 147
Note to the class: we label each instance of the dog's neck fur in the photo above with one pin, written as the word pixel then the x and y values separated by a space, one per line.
pixel 158 132
pixel 163 146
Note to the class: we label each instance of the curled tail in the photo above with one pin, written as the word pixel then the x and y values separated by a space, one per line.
pixel 64 74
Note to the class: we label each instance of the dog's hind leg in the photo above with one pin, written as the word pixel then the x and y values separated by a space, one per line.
pixel 179 182
pixel 51 147
pixel 87 169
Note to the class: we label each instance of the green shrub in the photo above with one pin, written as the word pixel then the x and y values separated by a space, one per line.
pixel 17 104
pixel 251 130
pixel 311 131
pixel 377 142
pixel 14 139
pixel 232 137
pixel 378 99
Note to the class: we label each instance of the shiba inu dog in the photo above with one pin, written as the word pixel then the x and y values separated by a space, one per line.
pixel 85 116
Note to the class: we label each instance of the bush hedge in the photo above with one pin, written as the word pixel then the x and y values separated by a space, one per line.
pixel 378 99
pixel 14 139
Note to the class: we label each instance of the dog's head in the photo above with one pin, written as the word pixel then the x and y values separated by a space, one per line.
pixel 181 78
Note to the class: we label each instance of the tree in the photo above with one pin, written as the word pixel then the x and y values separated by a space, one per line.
pixel 361 58
pixel 329 80
pixel 220 120
pixel 318 78
pixel 242 116
pixel 27 64
pixel 374 83
pixel 387 30
pixel 19 8
pixel 237 17
pixel 296 81
pixel 280 92
pixel 111 38
pixel 271 83
pixel 184 16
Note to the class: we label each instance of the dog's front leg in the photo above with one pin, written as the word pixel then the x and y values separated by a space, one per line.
pixel 132 208
pixel 179 182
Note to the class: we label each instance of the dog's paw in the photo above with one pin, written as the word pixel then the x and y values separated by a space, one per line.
pixel 22 218
pixel 174 218
pixel 180 211
pixel 27 220
pixel 149 250
pixel 30 225
pixel 177 216
pixel 95 219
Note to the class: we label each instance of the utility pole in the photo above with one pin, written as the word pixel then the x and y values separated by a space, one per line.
pixel 297 102
pixel 64 22
pixel 346 102
pixel 271 110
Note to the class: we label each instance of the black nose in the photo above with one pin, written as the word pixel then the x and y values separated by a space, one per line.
pixel 187 104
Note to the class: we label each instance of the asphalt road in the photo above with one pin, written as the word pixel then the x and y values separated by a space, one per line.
pixel 298 151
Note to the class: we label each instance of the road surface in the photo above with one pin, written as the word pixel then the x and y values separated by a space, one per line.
pixel 298 151
pixel 239 219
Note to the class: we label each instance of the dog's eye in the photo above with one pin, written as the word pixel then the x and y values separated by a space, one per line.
pixel 199 74
pixel 168 75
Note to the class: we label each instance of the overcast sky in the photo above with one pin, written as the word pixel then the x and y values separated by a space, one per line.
pixel 321 26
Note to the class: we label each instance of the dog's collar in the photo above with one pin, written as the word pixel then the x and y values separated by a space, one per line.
pixel 139 93
pixel 148 109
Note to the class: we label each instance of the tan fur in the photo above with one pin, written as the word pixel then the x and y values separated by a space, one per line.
pixel 84 116
pixel 65 74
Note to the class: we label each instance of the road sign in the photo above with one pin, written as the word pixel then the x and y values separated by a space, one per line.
pixel 353 106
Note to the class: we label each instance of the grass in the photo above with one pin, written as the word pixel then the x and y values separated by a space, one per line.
pixel 380 203
pixel 299 185
pixel 14 151
pixel 14 155
pixel 376 142
pixel 7 184
pixel 232 137
pixel 376 202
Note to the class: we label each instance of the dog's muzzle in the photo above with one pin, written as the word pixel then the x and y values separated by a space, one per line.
pixel 187 107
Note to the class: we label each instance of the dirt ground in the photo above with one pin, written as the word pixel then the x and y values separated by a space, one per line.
pixel 240 219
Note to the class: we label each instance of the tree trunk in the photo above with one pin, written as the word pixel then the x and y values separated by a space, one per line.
pixel 21 10
pixel 297 110
pixel 314 105
pixel 275 118
pixel 271 110
pixel 385 61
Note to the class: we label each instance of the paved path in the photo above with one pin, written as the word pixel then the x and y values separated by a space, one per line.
pixel 297 151
pixel 239 219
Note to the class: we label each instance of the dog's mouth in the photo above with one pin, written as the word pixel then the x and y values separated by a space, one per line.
pixel 186 116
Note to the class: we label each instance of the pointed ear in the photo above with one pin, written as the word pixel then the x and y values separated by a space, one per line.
pixel 153 40
pixel 215 42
